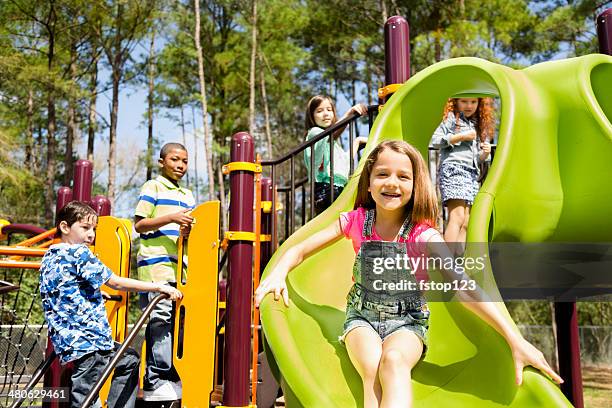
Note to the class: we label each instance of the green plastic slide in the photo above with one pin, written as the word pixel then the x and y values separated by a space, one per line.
pixel 550 181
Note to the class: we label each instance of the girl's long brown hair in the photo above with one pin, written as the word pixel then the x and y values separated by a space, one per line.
pixel 485 124
pixel 423 203
pixel 312 105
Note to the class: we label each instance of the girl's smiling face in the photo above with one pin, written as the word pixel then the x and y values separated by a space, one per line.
pixel 391 180
pixel 324 114
pixel 468 106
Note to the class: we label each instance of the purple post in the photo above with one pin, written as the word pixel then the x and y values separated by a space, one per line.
pixel 397 51
pixel 604 31
pixel 64 196
pixel 101 204
pixel 568 349
pixel 266 223
pixel 83 174
pixel 238 322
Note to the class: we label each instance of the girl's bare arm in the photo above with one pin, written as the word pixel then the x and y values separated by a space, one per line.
pixel 275 281
pixel 523 352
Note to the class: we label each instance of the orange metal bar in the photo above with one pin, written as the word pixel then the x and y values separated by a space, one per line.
pixel 256 261
pixel 38 238
pixel 15 250
pixel 19 264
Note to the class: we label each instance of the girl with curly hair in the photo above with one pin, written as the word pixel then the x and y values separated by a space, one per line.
pixel 463 139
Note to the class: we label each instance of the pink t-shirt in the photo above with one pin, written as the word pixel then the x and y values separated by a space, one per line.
pixel 352 222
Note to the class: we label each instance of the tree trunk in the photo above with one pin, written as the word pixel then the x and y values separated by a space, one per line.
pixel 438 45
pixel 51 124
pixel 252 73
pixel 29 159
pixel 383 10
pixel 71 132
pixel 112 139
pixel 220 179
pixel 184 140
pixel 395 8
pixel 49 185
pixel 264 98
pixel 93 96
pixel 207 150
pixel 116 61
pixel 195 155
pixel 149 159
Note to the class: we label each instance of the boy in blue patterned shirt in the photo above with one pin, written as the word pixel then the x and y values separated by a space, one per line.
pixel 70 281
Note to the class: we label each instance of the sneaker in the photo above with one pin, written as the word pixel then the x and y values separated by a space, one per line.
pixel 168 391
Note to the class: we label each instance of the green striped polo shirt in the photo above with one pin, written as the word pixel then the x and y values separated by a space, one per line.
pixel 157 256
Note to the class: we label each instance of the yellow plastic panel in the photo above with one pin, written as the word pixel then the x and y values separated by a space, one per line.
pixel 112 247
pixel 196 313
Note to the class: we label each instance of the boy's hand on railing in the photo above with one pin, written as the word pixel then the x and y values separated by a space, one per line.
pixel 273 283
pixel 185 230
pixel 174 293
pixel 182 217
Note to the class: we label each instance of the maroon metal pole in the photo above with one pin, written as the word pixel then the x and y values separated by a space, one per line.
pixel 266 222
pixel 101 204
pixel 568 349
pixel 240 258
pixel 397 51
pixel 64 196
pixel 604 31
pixel 83 175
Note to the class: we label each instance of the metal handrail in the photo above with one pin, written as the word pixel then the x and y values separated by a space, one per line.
pixel 6 287
pixel 38 374
pixel 290 156
pixel 93 393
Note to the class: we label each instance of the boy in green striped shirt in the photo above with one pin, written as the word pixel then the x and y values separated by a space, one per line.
pixel 162 214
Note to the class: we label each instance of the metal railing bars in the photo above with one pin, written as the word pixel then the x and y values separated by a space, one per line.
pixel 290 199
pixel 93 394
pixel 38 374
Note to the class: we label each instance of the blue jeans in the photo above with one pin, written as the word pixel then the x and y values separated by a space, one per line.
pixel 158 336
pixel 89 368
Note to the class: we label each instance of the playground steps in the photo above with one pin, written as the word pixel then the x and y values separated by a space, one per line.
pixel 140 403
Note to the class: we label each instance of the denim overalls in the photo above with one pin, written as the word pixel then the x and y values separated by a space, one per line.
pixel 383 310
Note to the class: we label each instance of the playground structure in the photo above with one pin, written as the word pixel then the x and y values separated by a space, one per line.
pixel 567 141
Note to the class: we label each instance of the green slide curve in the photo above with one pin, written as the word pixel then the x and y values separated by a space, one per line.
pixel 549 182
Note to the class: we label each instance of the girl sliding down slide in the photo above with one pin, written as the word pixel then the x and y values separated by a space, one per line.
pixel 385 331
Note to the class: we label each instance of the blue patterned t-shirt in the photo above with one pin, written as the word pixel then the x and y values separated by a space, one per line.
pixel 70 280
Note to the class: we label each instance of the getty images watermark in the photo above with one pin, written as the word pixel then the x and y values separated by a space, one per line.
pixel 552 271
pixel 392 273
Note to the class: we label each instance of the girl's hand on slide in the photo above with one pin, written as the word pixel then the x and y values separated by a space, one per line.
pixel 525 354
pixel 360 108
pixel 273 284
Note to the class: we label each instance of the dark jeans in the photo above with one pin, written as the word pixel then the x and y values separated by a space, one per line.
pixel 89 368
pixel 158 336
pixel 322 196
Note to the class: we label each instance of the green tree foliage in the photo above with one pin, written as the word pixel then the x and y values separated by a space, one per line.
pixel 304 47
